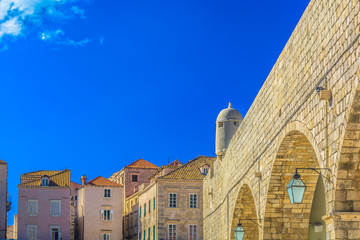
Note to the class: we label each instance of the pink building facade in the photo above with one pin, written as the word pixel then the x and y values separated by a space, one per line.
pixel 4 206
pixel 44 206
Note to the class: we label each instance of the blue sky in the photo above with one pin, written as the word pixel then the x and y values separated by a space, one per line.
pixel 94 85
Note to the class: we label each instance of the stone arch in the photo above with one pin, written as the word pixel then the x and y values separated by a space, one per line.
pixel 347 190
pixel 245 209
pixel 345 219
pixel 283 220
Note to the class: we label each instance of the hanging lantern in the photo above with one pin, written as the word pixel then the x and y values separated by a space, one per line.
pixel 296 189
pixel 239 232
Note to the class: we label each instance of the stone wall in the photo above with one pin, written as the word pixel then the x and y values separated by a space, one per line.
pixel 289 126
pixel 182 215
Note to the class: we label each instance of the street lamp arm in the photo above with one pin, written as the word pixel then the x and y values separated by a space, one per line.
pixel 251 220
pixel 317 170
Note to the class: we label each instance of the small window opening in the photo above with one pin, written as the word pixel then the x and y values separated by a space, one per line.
pixel 134 178
pixel 220 124
pixel 45 181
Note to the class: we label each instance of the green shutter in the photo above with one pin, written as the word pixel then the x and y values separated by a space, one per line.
pixel 140 213
pixel 149 205
pixel 144 209
pixel 154 203
pixel 149 234
pixel 144 234
pixel 154 230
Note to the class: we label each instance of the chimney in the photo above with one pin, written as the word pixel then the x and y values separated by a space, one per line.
pixel 83 180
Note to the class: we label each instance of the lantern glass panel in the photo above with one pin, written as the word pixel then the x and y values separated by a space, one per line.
pixel 239 232
pixel 296 190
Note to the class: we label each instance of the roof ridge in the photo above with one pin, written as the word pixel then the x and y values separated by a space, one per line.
pixel 141 159
pixel 186 165
pixel 59 172
pixel 182 166
pixel 92 182
pixel 134 162
pixel 94 179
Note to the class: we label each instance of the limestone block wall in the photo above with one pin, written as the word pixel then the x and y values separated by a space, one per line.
pixel 289 126
pixel 148 218
pixel 182 216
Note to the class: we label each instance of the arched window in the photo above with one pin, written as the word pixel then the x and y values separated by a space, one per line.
pixel 45 181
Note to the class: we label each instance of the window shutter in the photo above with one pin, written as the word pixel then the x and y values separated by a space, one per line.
pixel 36 207
pixel 111 214
pixel 102 214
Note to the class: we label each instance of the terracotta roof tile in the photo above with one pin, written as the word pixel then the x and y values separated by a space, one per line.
pixel 2 162
pixel 191 170
pixel 141 163
pixel 101 181
pixel 74 184
pixel 175 163
pixel 57 178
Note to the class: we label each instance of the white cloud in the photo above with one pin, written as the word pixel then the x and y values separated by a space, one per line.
pixel 78 11
pixel 51 35
pixel 10 27
pixel 69 42
pixel 4 48
pixel 39 16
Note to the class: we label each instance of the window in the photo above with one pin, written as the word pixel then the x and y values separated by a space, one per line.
pixel 144 209
pixel 45 181
pixel 204 169
pixel 122 179
pixel 55 233
pixel 192 232
pixel 31 232
pixel 55 208
pixel 105 236
pixel 172 231
pixel 172 200
pixel 134 178
pixel 107 193
pixel 154 232
pixel 32 207
pixel 149 205
pixel 154 203
pixel 140 213
pixel 193 200
pixel 107 215
pixel 144 234
pixel 148 233
pixel 220 124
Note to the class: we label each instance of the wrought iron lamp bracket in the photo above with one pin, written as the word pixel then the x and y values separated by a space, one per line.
pixel 317 170
pixel 251 220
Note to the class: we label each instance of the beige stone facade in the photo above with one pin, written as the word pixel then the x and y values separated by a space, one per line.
pixel 171 205
pixel 292 125
pixel 131 217
pixel 12 231
pixel 100 210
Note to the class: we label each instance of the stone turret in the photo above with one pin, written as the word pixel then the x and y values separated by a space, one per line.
pixel 227 122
